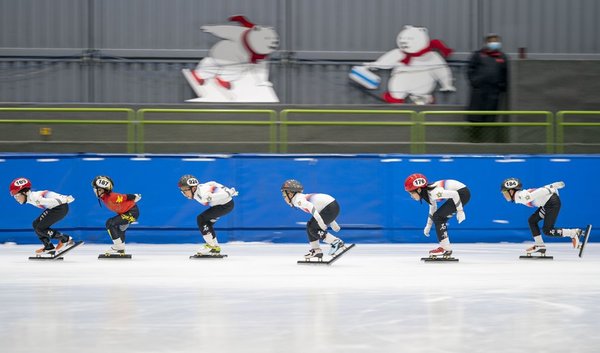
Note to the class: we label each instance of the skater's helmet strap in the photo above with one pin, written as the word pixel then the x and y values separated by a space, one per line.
pixel 511 184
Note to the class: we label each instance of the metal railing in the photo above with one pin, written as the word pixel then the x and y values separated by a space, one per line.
pixel 548 124
pixel 561 124
pixel 130 122
pixel 285 122
pixel 278 124
pixel 271 123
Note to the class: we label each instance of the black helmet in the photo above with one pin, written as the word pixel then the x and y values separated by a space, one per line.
pixel 292 185
pixel 103 182
pixel 187 180
pixel 511 184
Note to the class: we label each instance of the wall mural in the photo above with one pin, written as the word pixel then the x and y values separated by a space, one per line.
pixel 417 66
pixel 236 68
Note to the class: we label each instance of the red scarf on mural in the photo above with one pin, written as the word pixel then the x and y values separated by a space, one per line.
pixel 254 56
pixel 433 44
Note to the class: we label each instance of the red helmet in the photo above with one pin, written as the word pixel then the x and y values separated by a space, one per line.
pixel 415 181
pixel 17 185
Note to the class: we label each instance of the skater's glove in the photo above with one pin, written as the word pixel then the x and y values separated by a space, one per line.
pixel 137 198
pixel 427 229
pixel 232 192
pixel 70 199
pixel 557 185
pixel 336 227
pixel 460 216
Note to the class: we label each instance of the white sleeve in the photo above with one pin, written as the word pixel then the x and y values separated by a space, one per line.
pixel 452 194
pixel 219 195
pixel 537 193
pixel 48 199
pixel 308 207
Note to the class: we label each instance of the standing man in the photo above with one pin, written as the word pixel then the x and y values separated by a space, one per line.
pixel 488 77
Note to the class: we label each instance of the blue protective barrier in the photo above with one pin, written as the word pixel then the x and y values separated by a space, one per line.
pixel 374 206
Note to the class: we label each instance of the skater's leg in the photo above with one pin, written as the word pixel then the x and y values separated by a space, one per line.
pixel 205 222
pixel 551 210
pixel 42 224
pixel 117 225
pixel 440 219
pixel 329 214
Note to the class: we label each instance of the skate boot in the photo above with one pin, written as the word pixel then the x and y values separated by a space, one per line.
pixel 209 250
pixel 335 246
pixel 314 254
pixel 536 248
pixel 575 239
pixel 440 252
pixel 63 245
pixel 114 250
pixel 50 250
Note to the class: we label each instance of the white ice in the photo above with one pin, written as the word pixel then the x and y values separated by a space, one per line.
pixel 377 298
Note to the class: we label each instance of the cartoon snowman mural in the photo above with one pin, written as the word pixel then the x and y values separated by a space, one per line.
pixel 236 68
pixel 416 68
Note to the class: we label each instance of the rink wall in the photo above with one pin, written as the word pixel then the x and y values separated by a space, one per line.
pixel 374 206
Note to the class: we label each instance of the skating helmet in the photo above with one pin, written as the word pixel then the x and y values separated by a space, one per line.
pixel 292 185
pixel 102 182
pixel 415 181
pixel 511 184
pixel 19 185
pixel 187 180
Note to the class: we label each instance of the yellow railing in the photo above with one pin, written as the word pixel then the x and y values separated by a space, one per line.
pixel 130 122
pixel 278 124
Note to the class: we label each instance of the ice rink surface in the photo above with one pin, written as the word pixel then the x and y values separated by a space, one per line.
pixel 377 298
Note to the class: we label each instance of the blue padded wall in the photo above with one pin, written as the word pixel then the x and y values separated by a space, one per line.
pixel 374 206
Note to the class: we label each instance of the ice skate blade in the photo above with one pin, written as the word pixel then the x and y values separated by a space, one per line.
pixel 439 259
pixel 57 255
pixel 204 257
pixel 586 236
pixel 114 256
pixel 46 258
pixel 331 261
pixel 536 257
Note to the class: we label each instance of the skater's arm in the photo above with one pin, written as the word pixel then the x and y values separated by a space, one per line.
pixel 217 193
pixel 452 194
pixel 308 207
pixel 537 193
pixel 48 199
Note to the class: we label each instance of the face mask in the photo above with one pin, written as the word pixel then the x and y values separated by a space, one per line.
pixel 494 45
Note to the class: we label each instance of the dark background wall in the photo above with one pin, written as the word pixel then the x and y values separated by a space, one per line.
pixel 113 51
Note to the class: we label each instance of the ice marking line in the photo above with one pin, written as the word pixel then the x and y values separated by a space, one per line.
pixel 438 299
pixel 198 159
pixel 140 159
pixel 501 221
pixel 509 160
pixel 389 160
pixel 446 160
pixel 419 160
pixel 305 159
pixel 46 160
pixel 565 307
pixel 92 159
pixel 560 160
